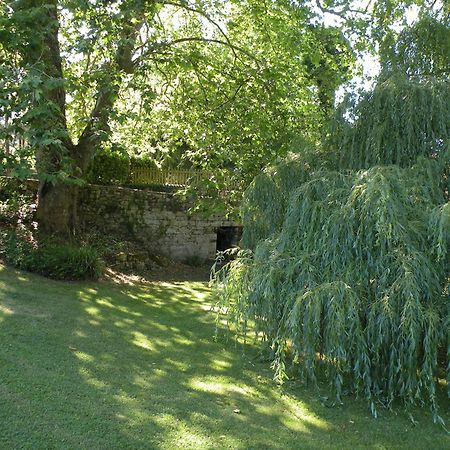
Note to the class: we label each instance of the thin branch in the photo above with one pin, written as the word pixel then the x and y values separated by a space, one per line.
pixel 200 82
pixel 166 77
pixel 161 24
pixel 342 13
pixel 208 18
pixel 108 91
pixel 232 97
pixel 156 48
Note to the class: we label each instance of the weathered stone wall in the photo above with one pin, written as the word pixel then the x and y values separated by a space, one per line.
pixel 160 222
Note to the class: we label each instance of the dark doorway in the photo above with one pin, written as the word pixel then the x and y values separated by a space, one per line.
pixel 228 237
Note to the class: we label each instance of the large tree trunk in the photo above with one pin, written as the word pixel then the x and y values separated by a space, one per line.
pixel 57 208
pixel 57 202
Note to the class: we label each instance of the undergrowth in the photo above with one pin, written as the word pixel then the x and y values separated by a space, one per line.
pixel 57 260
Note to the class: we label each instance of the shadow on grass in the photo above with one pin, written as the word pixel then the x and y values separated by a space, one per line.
pixel 103 366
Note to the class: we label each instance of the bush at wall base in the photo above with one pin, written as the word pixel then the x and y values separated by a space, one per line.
pixel 53 260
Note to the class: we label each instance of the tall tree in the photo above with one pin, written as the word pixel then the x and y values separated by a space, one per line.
pixel 346 249
pixel 232 116
pixel 76 60
pixel 61 159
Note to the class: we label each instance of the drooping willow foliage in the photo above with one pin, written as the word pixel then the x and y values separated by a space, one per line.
pixel 420 50
pixel 345 262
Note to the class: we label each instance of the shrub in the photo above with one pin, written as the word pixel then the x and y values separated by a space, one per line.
pixel 16 250
pixel 67 262
pixel 110 166
pixel 16 201
pixel 143 161
pixel 57 261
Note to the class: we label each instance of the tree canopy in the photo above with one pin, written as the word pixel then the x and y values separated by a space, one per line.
pixel 205 83
pixel 219 84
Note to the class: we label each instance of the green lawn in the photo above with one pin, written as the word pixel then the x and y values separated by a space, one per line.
pixel 103 366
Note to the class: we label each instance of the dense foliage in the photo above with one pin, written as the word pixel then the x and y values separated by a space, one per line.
pixel 222 85
pixel 57 261
pixel 345 261
pixel 170 71
pixel 110 165
pixel 233 111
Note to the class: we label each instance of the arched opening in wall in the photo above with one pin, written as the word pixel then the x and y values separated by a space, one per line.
pixel 228 237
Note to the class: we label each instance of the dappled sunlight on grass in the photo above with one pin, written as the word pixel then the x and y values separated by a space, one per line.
pixel 294 415
pixel 5 310
pixel 220 364
pixel 94 322
pixel 220 388
pixel 84 356
pixel 93 311
pixel 142 341
pixel 185 435
pixel 137 366
pixel 91 380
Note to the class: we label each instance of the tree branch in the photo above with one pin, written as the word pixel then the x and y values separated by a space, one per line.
pixel 207 17
pixel 233 96
pixel 107 92
pixel 157 47
pixel 342 13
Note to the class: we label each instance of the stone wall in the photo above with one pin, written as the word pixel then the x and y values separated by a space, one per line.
pixel 159 222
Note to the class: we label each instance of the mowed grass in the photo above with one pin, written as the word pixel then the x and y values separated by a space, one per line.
pixel 103 366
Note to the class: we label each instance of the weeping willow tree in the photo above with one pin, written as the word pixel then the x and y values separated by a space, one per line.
pixel 344 266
